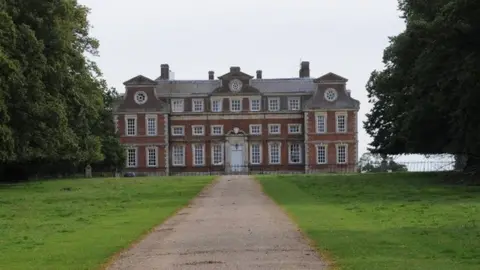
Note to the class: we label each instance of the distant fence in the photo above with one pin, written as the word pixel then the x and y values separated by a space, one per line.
pixel 398 166
pixel 416 166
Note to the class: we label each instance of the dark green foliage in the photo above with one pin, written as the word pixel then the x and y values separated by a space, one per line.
pixel 53 114
pixel 426 99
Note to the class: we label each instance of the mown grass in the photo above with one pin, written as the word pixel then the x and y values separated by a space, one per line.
pixel 79 224
pixel 384 221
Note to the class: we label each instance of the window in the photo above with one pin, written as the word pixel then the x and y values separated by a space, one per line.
pixel 198 154
pixel 216 130
pixel 274 104
pixel 178 130
pixel 131 157
pixel 341 153
pixel 235 105
pixel 152 157
pixel 178 155
pixel 197 105
pixel 294 104
pixel 131 126
pixel 177 105
pixel 255 105
pixel 295 153
pixel 274 153
pixel 198 130
pixel 217 105
pixel 255 153
pixel 255 129
pixel 294 128
pixel 274 129
pixel 115 121
pixel 322 154
pixel 217 154
pixel 141 97
pixel 151 125
pixel 341 123
pixel 321 123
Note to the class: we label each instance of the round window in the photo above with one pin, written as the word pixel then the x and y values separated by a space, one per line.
pixel 140 97
pixel 235 85
pixel 330 94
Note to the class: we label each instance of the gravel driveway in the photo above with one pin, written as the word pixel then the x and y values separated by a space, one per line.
pixel 230 225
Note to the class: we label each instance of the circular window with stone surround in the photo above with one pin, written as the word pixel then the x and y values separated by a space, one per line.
pixel 140 97
pixel 331 94
pixel 235 85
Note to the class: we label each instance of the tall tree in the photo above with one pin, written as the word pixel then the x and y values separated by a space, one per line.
pixel 425 100
pixel 51 95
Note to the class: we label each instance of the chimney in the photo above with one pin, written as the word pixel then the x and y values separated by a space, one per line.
pixel 259 74
pixel 211 74
pixel 304 69
pixel 234 69
pixel 164 72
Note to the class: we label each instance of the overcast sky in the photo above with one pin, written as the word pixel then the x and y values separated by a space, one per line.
pixel 346 37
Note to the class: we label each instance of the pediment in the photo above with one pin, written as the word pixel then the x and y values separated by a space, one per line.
pixel 140 80
pixel 330 77
pixel 235 72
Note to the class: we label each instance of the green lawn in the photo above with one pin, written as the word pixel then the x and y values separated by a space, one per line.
pixel 79 224
pixel 385 221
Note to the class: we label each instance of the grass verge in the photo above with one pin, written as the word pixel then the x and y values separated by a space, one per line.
pixel 384 221
pixel 80 224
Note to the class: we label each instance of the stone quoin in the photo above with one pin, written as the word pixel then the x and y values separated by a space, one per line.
pixel 238 123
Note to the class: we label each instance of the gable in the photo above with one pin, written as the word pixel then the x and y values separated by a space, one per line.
pixel 235 72
pixel 330 77
pixel 140 80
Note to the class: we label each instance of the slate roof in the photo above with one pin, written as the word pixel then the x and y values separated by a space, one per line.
pixel 293 85
pixel 308 86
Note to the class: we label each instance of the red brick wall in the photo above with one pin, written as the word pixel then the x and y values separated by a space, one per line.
pixel 142 140
pixel 244 125
pixel 331 138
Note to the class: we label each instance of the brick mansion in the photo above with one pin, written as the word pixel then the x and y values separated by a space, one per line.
pixel 238 123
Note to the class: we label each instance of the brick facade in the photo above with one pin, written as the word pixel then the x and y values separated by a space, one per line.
pixel 238 123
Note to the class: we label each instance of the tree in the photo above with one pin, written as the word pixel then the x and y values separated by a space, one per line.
pixel 52 98
pixel 425 100
pixel 113 152
pixel 379 163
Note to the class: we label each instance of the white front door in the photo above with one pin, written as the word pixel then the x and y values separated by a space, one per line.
pixel 236 157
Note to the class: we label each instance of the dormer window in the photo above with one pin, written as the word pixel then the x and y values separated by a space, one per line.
pixel 197 105
pixel 177 105
pixel 255 104
pixel 217 105
pixel 274 104
pixel 294 104
pixel 235 105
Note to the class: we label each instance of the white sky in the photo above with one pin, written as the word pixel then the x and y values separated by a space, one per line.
pixel 346 37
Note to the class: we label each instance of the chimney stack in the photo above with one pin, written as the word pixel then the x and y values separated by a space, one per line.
pixel 304 69
pixel 234 69
pixel 164 72
pixel 211 74
pixel 259 74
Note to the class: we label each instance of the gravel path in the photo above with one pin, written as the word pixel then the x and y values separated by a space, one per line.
pixel 231 225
